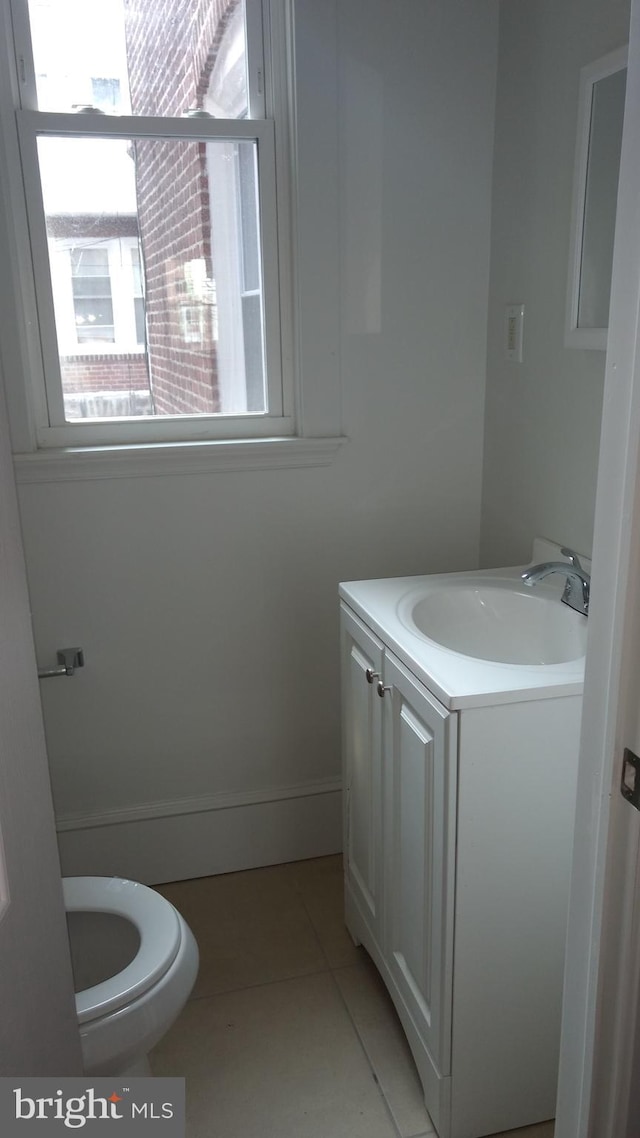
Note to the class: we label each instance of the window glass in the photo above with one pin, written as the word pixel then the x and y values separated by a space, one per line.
pixel 158 245
pixel 140 56
pixel 80 54
pixel 105 95
pixel 138 295
pixel 156 268
pixel 227 92
pixel 248 201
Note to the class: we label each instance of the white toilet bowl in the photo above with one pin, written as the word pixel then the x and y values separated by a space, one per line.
pixel 135 962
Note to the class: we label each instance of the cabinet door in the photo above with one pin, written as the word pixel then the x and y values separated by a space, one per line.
pixel 420 791
pixel 362 766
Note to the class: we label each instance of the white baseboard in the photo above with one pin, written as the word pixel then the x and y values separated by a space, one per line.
pixel 198 837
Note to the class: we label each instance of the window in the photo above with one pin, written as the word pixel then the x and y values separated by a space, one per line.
pixel 148 143
pixel 138 295
pixel 105 94
pixel 100 322
pixel 91 290
pixel 98 297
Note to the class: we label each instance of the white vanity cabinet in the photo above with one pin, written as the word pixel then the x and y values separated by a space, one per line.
pixel 419 773
pixel 362 656
pixel 400 826
pixel 458 835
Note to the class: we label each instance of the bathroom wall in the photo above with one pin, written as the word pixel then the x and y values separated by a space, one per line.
pixel 203 733
pixel 542 416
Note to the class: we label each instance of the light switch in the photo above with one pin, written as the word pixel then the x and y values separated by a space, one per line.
pixel 514 332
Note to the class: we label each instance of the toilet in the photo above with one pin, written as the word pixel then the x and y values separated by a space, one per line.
pixel 134 962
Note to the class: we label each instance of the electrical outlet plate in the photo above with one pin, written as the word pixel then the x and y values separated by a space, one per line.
pixel 514 332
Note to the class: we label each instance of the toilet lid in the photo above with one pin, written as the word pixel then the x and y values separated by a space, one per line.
pixel 158 926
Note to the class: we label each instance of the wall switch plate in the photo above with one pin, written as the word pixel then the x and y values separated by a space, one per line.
pixel 514 332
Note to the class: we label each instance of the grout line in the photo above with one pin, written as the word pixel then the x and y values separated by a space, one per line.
pixel 366 1055
pixel 315 933
pixel 299 896
pixel 299 899
pixel 259 984
pixel 332 970
pixel 431 1133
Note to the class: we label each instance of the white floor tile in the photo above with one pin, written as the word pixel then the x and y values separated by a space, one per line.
pixel 251 928
pixel 384 1041
pixel 319 883
pixel 278 1061
pixel 290 1032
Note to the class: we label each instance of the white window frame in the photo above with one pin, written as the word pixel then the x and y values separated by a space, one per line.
pixel 50 428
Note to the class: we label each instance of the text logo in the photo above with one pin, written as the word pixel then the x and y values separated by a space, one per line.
pixel 134 1109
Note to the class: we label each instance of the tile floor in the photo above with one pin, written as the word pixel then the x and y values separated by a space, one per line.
pixel 289 1032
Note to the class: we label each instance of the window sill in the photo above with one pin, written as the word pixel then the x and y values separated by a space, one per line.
pixel 70 464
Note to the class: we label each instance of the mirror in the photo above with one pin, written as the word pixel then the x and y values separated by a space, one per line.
pixel 595 191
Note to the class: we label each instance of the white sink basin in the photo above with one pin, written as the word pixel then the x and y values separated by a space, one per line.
pixel 497 620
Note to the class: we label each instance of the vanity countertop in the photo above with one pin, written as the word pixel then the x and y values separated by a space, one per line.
pixel 459 681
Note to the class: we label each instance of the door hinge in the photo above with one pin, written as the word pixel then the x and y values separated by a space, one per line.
pixel 630 784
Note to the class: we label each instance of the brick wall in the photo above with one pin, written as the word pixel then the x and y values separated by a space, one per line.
pixel 171 48
pixel 104 373
pixel 114 386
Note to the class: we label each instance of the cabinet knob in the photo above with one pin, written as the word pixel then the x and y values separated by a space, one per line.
pixel 371 675
pixel 382 689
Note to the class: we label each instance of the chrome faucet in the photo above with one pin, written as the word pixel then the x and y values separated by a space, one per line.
pixel 578 584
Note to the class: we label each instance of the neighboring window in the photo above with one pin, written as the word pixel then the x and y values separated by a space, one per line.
pixel 154 231
pixel 91 287
pixel 98 295
pixel 138 296
pixel 105 95
pixel 100 321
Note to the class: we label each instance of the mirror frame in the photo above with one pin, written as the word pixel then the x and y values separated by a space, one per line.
pixel 576 337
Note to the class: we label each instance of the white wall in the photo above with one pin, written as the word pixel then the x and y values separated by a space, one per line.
pixel 38 1025
pixel 542 416
pixel 206 604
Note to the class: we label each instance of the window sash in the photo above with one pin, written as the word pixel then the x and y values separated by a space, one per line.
pixel 55 430
pixel 257 27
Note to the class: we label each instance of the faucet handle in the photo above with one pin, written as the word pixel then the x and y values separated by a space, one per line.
pixel 573 558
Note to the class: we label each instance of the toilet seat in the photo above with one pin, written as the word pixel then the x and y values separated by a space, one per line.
pixel 158 926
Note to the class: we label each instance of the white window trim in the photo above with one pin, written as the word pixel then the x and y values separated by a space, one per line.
pixel 307 202
pixel 54 431
pixel 157 460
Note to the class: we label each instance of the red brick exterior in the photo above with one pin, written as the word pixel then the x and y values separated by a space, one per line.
pixel 171 48
pixel 173 215
pixel 104 373
pixel 106 386
pixel 171 51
